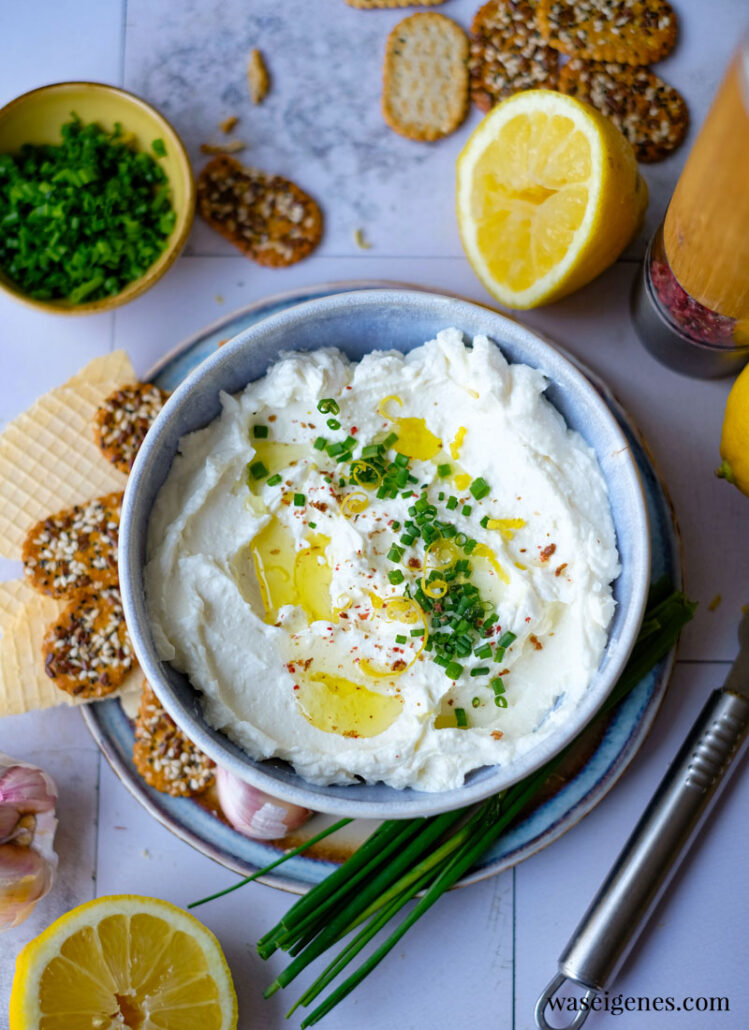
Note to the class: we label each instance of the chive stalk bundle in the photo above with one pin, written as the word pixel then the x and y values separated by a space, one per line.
pixel 403 857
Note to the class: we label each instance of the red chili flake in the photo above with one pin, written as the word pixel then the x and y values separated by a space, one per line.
pixel 362 615
pixel 296 686
pixel 548 551
pixel 497 734
pixel 451 702
pixel 354 430
pixel 560 570
pixel 271 418
pixel 349 387
pixel 291 667
pixel 536 642
pixel 342 615
pixel 527 618
pixel 400 664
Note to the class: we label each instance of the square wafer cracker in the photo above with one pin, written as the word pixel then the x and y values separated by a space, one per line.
pixel 48 457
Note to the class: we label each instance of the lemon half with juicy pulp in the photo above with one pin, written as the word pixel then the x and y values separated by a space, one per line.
pixel 548 196
pixel 123 961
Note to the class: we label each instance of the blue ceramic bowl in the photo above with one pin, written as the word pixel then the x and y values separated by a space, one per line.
pixel 358 323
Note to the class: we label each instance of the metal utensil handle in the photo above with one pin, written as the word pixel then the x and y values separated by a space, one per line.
pixel 641 873
pixel 660 840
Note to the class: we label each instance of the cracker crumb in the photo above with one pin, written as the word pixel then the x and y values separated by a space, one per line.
pixel 232 146
pixel 715 603
pixel 360 241
pixel 257 77
pixel 228 123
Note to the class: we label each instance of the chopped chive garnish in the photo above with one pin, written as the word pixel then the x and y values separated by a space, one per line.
pixel 328 406
pixel 333 423
pixel 158 147
pixel 333 449
pixel 320 443
pixel 441 496
pixel 453 670
pixel 466 509
pixel 439 660
pixel 507 638
pixel 390 439
pixel 299 500
pixel 469 546
pixel 479 488
pixel 395 526
pixel 407 539
pixel 395 553
pixel 460 716
pixel 500 701
pixel 417 632
pixel 444 470
pixel 497 685
pixel 485 521
pixel 452 503
pixel 481 670
pixel 370 451
pixel 484 651
pixel 312 525
pixel 274 480
pixel 260 432
pixel 400 639
pixel 258 470
pixel 396 576
pixel 475 701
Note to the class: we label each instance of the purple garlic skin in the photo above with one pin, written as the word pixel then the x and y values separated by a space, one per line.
pixel 28 862
pixel 254 813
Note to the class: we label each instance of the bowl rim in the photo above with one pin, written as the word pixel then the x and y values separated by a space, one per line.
pixel 256 772
pixel 149 278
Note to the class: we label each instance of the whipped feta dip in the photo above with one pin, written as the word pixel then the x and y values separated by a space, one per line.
pixel 397 570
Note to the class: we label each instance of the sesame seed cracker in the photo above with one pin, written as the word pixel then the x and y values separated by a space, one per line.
pixel 628 31
pixel 75 549
pixel 165 758
pixel 121 423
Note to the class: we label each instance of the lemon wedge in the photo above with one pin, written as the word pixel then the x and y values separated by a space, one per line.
pixel 548 195
pixel 123 961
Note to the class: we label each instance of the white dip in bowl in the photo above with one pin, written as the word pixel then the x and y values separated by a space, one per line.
pixel 308 604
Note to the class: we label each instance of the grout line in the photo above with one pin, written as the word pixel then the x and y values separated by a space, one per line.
pixel 96 825
pixel 514 919
pixel 387 257
pixel 123 34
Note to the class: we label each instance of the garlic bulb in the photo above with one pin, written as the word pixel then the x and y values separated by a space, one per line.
pixel 254 813
pixel 27 830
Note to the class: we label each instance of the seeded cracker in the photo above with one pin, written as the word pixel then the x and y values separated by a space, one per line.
pixel 651 114
pixel 87 652
pixel 508 53
pixel 121 423
pixel 627 31
pixel 165 758
pixel 425 77
pixel 373 5
pixel 270 219
pixel 75 549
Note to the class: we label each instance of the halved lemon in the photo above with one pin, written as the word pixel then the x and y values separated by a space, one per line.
pixel 123 961
pixel 548 196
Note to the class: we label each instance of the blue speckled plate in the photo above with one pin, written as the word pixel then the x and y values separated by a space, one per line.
pixel 607 749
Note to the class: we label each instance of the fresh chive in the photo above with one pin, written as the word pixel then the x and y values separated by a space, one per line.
pixel 497 685
pixel 299 500
pixel 372 450
pixel 417 632
pixel 400 639
pixel 500 701
pixel 395 553
pixel 333 423
pixel 395 526
pixel 390 439
pixel 453 670
pixel 328 406
pixel 274 480
pixel 485 521
pixel 507 638
pixel 260 432
pixel 460 717
pixel 320 443
pixel 466 509
pixel 475 701
pixel 157 145
pixel 481 670
pixel 396 577
pixel 334 449
pixel 452 502
pixel 258 470
pixel 312 525
pixel 444 470
pixel 479 488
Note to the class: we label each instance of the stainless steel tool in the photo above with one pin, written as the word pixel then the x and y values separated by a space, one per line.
pixel 603 939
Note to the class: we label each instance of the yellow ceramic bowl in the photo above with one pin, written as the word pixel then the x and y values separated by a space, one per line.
pixel 36 117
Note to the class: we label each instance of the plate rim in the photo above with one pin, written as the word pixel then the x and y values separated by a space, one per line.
pixel 596 794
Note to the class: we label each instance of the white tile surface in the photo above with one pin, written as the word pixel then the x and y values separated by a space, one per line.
pixel 479 959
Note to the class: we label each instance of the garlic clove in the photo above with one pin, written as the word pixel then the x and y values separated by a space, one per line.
pixel 26 788
pixel 25 877
pixel 254 813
